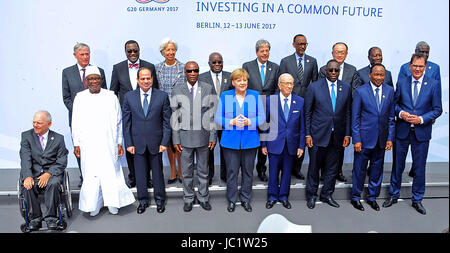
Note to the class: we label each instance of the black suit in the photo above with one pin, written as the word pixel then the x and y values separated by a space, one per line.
pixel 269 88
pixel 121 84
pixel 225 84
pixel 34 162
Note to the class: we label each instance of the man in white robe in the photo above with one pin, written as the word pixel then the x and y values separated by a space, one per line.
pixel 97 135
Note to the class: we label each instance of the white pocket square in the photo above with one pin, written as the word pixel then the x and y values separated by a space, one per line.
pixel 294 111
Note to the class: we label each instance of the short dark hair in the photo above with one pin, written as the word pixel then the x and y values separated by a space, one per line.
pixel 142 68
pixel 346 47
pixel 418 56
pixel 377 64
pixel 372 48
pixel 131 42
pixel 330 61
pixel 298 35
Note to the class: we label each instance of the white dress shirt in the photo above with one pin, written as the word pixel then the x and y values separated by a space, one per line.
pixel 80 70
pixel 213 76
pixel 375 92
pixel 259 67
pixel 149 92
pixel 282 97
pixel 341 71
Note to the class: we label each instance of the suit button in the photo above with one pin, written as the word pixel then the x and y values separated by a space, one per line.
pixel 414 110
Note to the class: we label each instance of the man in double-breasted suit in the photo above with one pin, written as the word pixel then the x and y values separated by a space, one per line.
pixel 418 104
pixel 305 71
pixel 74 81
pixel 43 159
pixel 327 127
pixel 220 81
pixel 375 57
pixel 146 123
pixel 285 139
pixel 193 133
pixel 263 78
pixel 372 133
pixel 123 80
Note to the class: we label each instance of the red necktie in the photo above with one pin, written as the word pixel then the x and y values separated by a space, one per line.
pixel 131 65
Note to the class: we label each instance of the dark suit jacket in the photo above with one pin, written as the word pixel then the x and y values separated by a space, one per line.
pixel 225 83
pixel 271 77
pixel 349 76
pixel 319 115
pixel 428 105
pixel 120 79
pixel 310 72
pixel 290 132
pixel 72 84
pixel 149 131
pixel 370 126
pixel 34 161
pixel 364 76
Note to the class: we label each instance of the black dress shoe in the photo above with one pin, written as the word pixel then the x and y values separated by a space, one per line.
pixel 80 184
pixel 231 207
pixel 263 177
pixel 180 180
pixel 419 207
pixel 160 208
pixel 171 181
pixel 389 202
pixel 286 204
pixel 247 207
pixel 51 224
pixel 205 205
pixel 411 173
pixel 141 208
pixel 149 184
pixel 340 177
pixel 223 178
pixel 357 205
pixel 374 205
pixel 330 201
pixel 311 203
pixel 187 207
pixel 34 225
pixel 131 183
pixel 270 203
pixel 210 182
pixel 298 176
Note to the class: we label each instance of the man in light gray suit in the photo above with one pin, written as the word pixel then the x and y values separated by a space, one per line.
pixel 305 71
pixel 264 79
pixel 74 81
pixel 220 81
pixel 193 132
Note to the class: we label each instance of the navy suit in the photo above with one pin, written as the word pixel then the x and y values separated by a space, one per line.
pixel 364 76
pixel 429 107
pixel 372 127
pixel 146 134
pixel 284 138
pixel 327 144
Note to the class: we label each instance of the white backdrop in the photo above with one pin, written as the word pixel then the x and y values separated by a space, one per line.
pixel 37 39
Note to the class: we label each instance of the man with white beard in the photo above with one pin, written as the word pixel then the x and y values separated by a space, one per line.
pixel 97 135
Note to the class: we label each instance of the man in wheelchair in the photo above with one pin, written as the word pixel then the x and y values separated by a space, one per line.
pixel 43 156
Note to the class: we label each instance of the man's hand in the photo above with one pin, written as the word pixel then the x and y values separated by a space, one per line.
pixel 43 179
pixel 346 142
pixel 309 142
pixel 76 151
pixel 131 150
pixel 264 150
pixel 28 183
pixel 388 145
pixel 404 115
pixel 357 146
pixel 178 147
pixel 120 153
pixel 162 148
pixel 299 152
pixel 414 119
pixel 211 145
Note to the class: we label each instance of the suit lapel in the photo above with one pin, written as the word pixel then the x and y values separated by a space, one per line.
pixel 77 76
pixel 423 90
pixel 126 72
pixel 371 96
pixel 327 92
pixel 338 94
pixel 268 72
pixel 137 95
pixel 280 107
pixel 37 142
pixel 50 140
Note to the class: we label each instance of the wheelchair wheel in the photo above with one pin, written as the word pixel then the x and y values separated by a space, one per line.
pixel 20 199
pixel 62 225
pixel 67 196
pixel 24 228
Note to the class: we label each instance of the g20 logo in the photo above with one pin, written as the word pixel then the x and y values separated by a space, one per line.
pixel 156 1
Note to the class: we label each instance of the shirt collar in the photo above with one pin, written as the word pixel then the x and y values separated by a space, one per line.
pixel 148 92
pixel 420 79
pixel 214 74
pixel 374 86
pixel 297 56
pixel 80 68
pixel 137 62
pixel 282 97
pixel 45 135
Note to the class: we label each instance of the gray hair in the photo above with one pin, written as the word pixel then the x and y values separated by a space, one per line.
pixel 261 43
pixel 165 42
pixel 48 116
pixel 79 46
pixel 421 44
pixel 285 75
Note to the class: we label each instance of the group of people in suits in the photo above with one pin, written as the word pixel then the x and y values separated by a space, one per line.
pixel 260 110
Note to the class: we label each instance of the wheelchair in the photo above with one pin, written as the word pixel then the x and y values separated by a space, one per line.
pixel 64 206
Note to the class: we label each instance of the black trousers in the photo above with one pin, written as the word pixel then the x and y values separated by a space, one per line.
pixel 261 162
pixel 223 170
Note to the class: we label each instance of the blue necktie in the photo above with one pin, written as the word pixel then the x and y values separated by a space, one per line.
pixel 377 97
pixel 333 97
pixel 145 106
pixel 286 109
pixel 416 92
pixel 263 76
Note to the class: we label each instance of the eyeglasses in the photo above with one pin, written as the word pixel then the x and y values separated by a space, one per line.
pixel 216 62
pixel 192 70
pixel 301 44
pixel 288 83
pixel 418 66
pixel 132 51
pixel 94 78
pixel 333 70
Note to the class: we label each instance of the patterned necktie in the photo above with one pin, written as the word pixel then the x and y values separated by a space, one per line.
pixel 84 78
pixel 333 97
pixel 131 65
pixel 263 76
pixel 145 106
pixel 377 97
pixel 300 69
pixel 416 92
pixel 286 109
pixel 217 85
pixel 41 140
